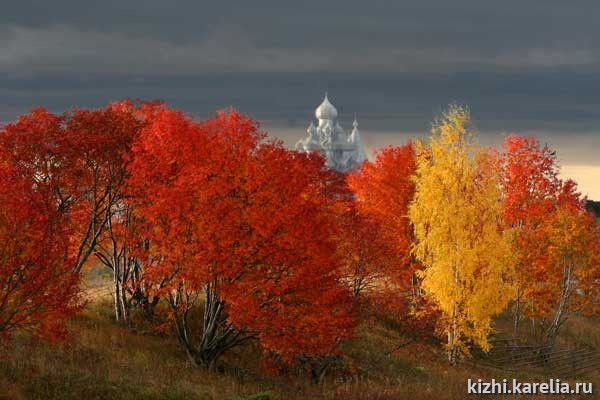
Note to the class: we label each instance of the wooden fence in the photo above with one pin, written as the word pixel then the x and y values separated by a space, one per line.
pixel 509 356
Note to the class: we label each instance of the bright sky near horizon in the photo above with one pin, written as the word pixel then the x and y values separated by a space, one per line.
pixel 577 162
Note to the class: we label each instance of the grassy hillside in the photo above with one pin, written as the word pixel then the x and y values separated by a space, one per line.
pixel 104 361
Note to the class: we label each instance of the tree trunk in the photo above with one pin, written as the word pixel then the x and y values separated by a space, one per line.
pixel 453 329
pixel 452 336
pixel 218 334
pixel 559 316
pixel 116 293
pixel 318 372
pixel 517 317
pixel 125 307
pixel 121 304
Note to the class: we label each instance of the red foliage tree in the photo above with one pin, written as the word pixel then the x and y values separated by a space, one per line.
pixel 37 290
pixel 531 185
pixel 377 243
pixel 368 256
pixel 574 268
pixel 78 157
pixel 553 236
pixel 383 190
pixel 249 226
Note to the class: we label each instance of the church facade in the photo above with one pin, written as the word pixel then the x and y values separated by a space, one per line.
pixel 342 152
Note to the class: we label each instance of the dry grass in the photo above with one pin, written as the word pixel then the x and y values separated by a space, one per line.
pixel 104 361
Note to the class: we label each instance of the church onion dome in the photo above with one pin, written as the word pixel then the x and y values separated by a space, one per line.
pixel 354 136
pixel 326 110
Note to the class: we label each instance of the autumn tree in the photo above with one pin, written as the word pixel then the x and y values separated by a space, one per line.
pixel 384 189
pixel 456 218
pixel 246 227
pixel 80 158
pixel 570 282
pixel 573 272
pixel 378 238
pixel 121 245
pixel 98 147
pixel 530 182
pixel 37 291
pixel 547 221
pixel 123 248
pixel 368 257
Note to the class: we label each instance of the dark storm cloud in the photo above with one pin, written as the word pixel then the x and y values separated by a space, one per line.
pixel 162 37
pixel 521 65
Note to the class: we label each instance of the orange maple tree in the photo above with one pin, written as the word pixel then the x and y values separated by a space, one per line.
pixel 531 185
pixel 574 271
pixel 553 236
pixel 367 255
pixel 37 290
pixel 377 240
pixel 383 190
pixel 78 157
pixel 248 226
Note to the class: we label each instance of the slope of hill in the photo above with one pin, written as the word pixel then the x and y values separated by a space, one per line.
pixel 105 361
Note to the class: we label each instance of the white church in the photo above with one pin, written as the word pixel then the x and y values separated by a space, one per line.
pixel 343 152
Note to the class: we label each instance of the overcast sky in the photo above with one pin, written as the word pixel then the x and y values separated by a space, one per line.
pixel 522 66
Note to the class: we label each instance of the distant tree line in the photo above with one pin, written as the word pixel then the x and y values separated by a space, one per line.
pixel 593 207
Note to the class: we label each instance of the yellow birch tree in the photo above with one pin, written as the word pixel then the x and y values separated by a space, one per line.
pixel 455 214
